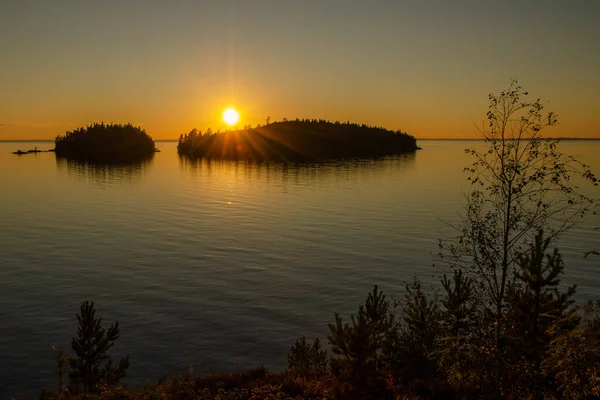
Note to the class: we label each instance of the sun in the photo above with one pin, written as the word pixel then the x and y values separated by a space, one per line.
pixel 231 116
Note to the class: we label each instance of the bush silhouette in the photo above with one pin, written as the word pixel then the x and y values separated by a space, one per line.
pixel 573 356
pixel 304 356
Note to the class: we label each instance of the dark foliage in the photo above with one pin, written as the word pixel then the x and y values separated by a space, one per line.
pixel 417 332
pixel 91 369
pixel 105 143
pixel 573 356
pixel 535 304
pixel 444 346
pixel 459 306
pixel 359 346
pixel 254 384
pixel 297 141
pixel 520 183
pixel 304 356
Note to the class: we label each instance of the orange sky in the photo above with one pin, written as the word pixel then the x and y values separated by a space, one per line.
pixel 424 67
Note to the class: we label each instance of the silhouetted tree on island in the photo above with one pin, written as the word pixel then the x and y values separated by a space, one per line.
pixel 297 141
pixel 109 143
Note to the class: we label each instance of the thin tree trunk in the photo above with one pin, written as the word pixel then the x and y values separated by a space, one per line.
pixel 500 299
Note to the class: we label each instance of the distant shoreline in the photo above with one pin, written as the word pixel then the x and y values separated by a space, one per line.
pixel 471 140
pixel 52 141
pixel 175 140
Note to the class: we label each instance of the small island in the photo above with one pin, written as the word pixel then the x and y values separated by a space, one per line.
pixel 306 140
pixel 35 150
pixel 105 143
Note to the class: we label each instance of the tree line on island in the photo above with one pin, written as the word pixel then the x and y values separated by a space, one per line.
pixel 499 326
pixel 107 143
pixel 298 140
pixel 284 141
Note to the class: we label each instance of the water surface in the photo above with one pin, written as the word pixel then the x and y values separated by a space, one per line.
pixel 220 263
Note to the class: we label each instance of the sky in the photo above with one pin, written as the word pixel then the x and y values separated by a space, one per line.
pixel 423 66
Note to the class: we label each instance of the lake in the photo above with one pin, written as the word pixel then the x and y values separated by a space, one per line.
pixel 219 264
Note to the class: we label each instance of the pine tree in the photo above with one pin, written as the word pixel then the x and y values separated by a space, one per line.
pixel 358 346
pixel 535 304
pixel 91 369
pixel 417 332
pixel 305 356
pixel 458 305
pixel 461 346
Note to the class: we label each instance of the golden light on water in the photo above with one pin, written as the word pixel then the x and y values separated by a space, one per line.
pixel 231 116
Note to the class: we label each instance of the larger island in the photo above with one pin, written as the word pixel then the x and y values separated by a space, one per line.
pixel 297 141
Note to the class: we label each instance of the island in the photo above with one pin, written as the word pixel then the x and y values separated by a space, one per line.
pixel 32 151
pixel 300 140
pixel 106 143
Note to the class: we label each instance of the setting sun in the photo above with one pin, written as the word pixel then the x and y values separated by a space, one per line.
pixel 231 116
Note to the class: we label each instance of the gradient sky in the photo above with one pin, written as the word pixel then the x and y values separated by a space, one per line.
pixel 425 67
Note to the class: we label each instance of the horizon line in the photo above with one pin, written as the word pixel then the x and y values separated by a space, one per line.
pixel 447 139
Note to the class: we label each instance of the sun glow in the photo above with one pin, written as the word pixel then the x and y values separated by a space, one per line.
pixel 231 116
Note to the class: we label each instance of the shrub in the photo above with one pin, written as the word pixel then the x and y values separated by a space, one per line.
pixel 304 356
pixel 573 357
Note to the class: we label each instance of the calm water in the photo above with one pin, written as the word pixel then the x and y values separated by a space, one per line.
pixel 218 263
